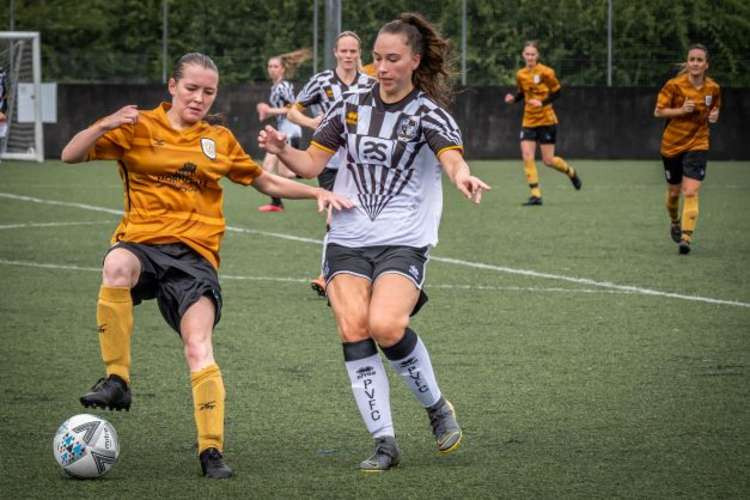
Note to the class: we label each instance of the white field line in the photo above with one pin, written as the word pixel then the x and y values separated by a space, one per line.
pixel 277 279
pixel 56 224
pixel 458 262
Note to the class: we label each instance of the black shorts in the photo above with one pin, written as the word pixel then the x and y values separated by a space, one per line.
pixel 690 164
pixel 176 276
pixel 327 178
pixel 371 262
pixel 546 134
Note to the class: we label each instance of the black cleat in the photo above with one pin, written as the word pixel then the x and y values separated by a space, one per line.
pixel 675 231
pixel 532 202
pixel 576 181
pixel 444 426
pixel 108 393
pixel 386 456
pixel 319 285
pixel 213 466
pixel 684 247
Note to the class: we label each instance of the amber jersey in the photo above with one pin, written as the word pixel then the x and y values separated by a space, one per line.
pixel 688 132
pixel 171 180
pixel 537 83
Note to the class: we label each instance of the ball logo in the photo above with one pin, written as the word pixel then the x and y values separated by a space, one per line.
pixel 208 146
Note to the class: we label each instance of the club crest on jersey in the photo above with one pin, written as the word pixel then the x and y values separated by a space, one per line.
pixel 709 99
pixel 407 129
pixel 537 79
pixel 208 146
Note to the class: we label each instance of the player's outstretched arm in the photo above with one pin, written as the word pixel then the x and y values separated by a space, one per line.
pixel 459 173
pixel 77 149
pixel 277 186
pixel 295 115
pixel 308 163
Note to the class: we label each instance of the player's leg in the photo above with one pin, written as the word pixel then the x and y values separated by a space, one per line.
pixel 547 139
pixel 396 296
pixel 673 176
pixel 270 164
pixel 114 316
pixel 694 171
pixel 349 295
pixel 528 154
pixel 196 328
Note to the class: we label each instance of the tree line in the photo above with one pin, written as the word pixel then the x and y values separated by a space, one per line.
pixel 121 40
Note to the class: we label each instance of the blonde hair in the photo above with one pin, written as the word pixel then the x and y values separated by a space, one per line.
pixel 290 61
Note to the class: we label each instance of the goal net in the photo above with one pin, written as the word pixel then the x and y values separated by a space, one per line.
pixel 21 133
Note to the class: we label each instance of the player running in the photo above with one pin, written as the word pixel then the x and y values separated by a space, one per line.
pixel 538 87
pixel 398 138
pixel 689 102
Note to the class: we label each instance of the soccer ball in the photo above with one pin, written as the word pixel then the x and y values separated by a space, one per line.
pixel 86 446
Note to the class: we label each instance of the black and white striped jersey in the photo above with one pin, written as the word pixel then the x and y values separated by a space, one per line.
pixel 391 169
pixel 322 91
pixel 282 96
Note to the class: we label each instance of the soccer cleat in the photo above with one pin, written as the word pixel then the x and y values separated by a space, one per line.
pixel 675 231
pixel 271 208
pixel 385 456
pixel 684 247
pixel 532 201
pixel 576 181
pixel 444 426
pixel 213 466
pixel 319 285
pixel 108 393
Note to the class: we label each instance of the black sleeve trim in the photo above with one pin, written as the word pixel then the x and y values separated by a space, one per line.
pixel 551 97
pixel 518 97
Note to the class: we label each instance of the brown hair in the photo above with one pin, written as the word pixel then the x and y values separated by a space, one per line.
pixel 203 61
pixel 291 60
pixel 532 43
pixel 192 58
pixel 683 65
pixel 435 70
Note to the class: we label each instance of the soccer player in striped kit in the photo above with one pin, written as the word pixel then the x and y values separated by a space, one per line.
pixel 398 139
pixel 166 247
pixel 689 102
pixel 279 102
pixel 538 87
pixel 322 91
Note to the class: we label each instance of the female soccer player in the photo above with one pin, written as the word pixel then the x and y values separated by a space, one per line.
pixel 397 137
pixel 538 87
pixel 281 98
pixel 689 102
pixel 322 91
pixel 166 245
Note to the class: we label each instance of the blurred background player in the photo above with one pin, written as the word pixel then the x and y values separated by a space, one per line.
pixel 279 102
pixel 3 103
pixel 167 244
pixel 538 88
pixel 689 102
pixel 322 91
pixel 398 138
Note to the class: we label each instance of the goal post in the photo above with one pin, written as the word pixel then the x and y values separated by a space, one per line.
pixel 21 99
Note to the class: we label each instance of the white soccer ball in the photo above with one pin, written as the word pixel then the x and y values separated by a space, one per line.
pixel 86 446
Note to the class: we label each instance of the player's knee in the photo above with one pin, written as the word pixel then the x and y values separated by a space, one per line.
pixel 353 329
pixel 689 191
pixel 119 271
pixel 549 161
pixel 198 350
pixel 388 330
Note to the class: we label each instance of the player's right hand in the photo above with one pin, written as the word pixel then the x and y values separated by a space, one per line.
pixel 271 140
pixel 509 98
pixel 688 106
pixel 125 115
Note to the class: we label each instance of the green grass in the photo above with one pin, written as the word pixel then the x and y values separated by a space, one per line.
pixel 564 389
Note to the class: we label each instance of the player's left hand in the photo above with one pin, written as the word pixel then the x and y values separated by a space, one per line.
pixel 271 140
pixel 472 187
pixel 328 201
pixel 713 115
